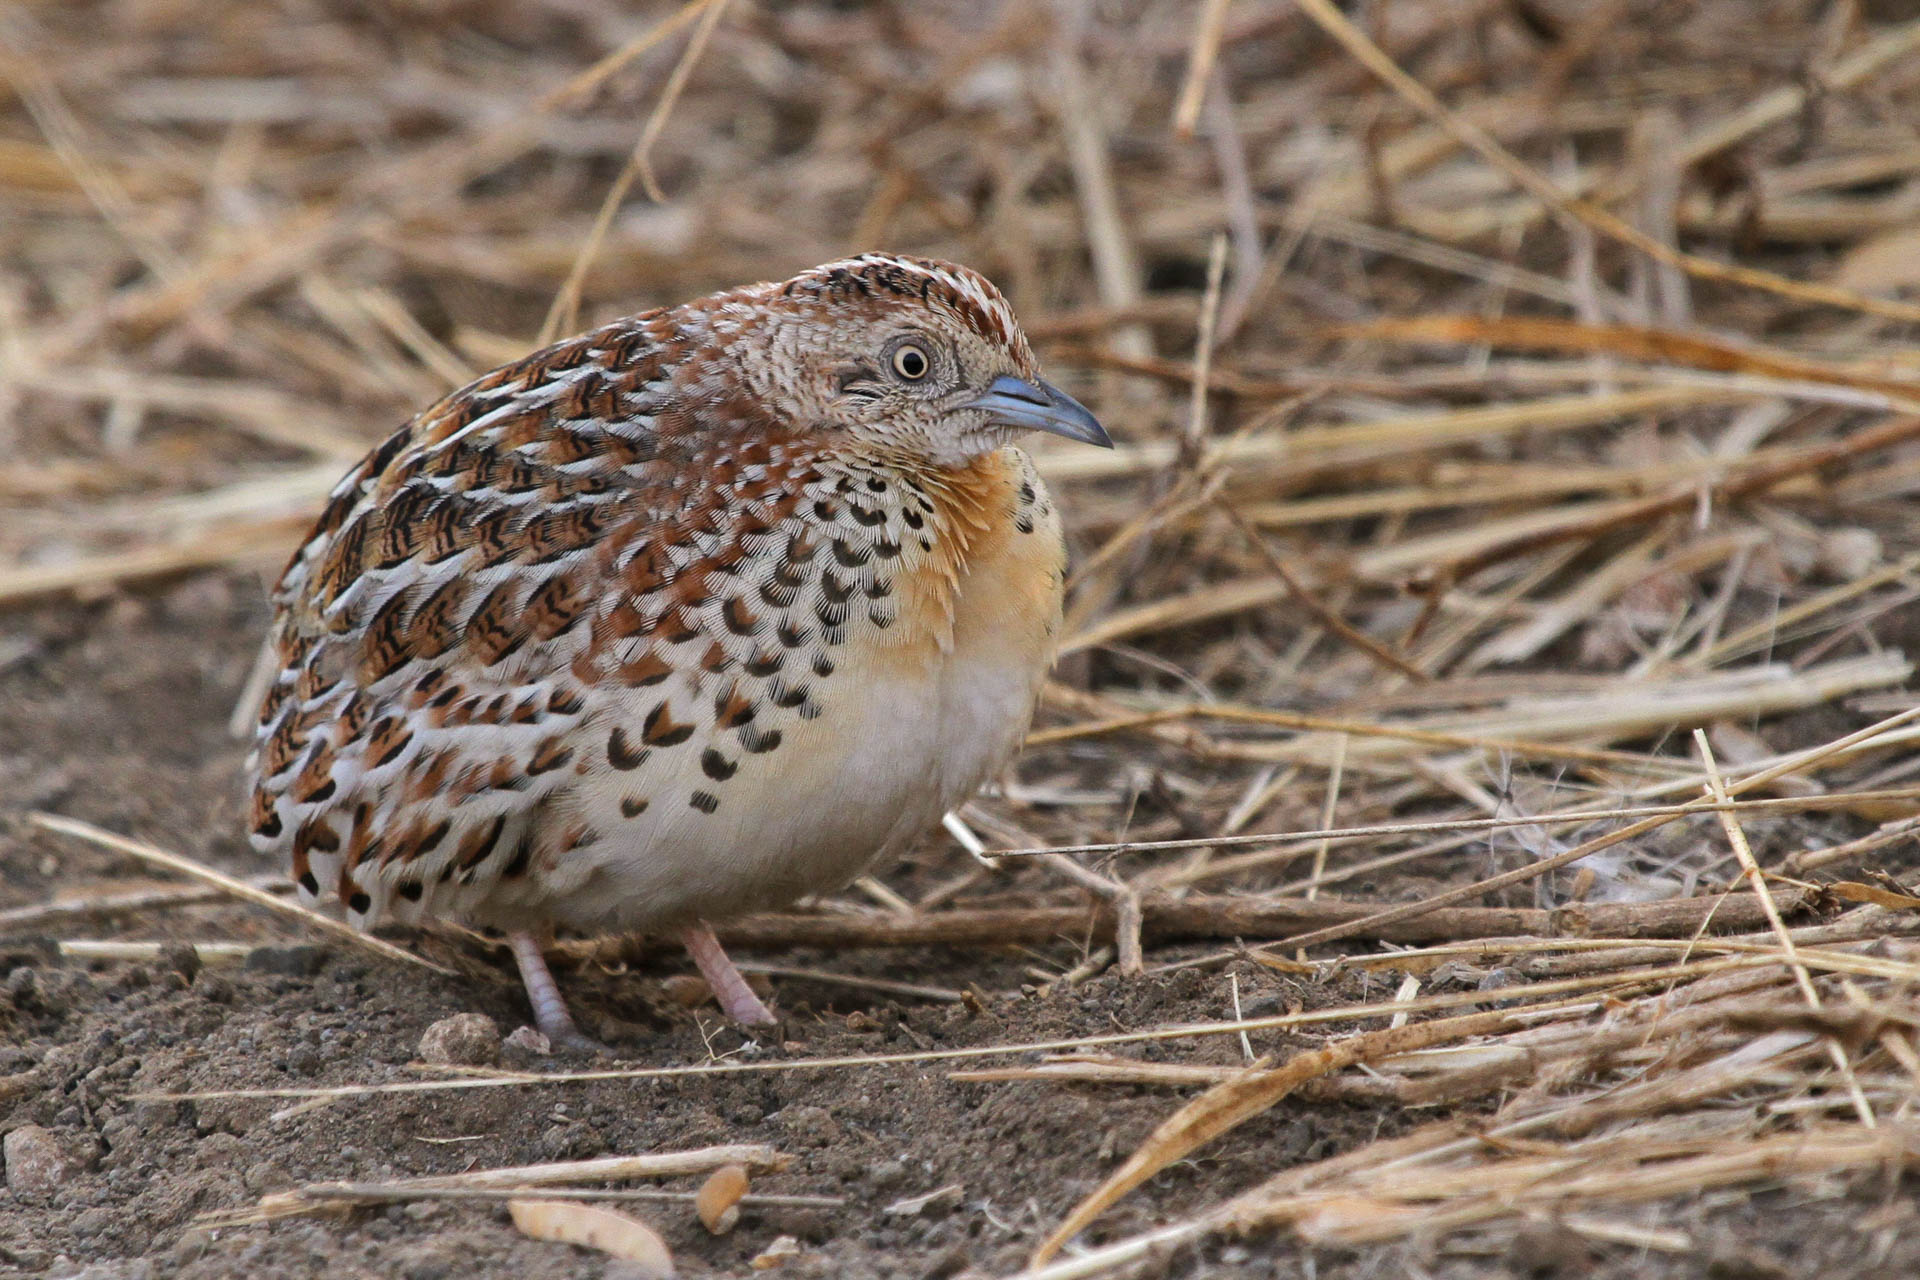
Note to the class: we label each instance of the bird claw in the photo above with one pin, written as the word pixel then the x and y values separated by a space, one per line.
pixel 575 1042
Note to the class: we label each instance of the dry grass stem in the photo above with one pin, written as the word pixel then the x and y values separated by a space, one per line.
pixel 327 1198
pixel 1717 788
pixel 227 884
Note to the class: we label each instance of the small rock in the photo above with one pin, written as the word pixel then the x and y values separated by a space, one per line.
pixel 260 1177
pixel 464 1040
pixel 28 990
pixel 193 1242
pixel 569 1142
pixel 528 1040
pixel 777 1254
pixel 89 1223
pixel 135 977
pixel 809 1126
pixel 182 959
pixel 36 1164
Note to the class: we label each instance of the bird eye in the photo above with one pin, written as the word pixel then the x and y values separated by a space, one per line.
pixel 910 362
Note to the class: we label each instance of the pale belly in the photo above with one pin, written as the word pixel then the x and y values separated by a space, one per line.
pixel 884 761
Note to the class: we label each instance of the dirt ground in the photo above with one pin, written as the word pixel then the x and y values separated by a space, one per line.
pixel 115 715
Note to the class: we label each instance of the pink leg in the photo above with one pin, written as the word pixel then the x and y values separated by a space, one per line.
pixel 549 1008
pixel 735 996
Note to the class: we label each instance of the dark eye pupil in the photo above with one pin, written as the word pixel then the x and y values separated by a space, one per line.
pixel 911 363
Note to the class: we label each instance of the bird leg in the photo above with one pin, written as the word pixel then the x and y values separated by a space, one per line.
pixel 549 1007
pixel 729 987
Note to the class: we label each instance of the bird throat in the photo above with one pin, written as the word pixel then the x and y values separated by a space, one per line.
pixel 971 509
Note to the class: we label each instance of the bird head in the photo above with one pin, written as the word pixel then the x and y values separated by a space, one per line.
pixel 905 355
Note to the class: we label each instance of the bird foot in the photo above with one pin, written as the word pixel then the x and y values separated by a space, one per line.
pixel 572 1040
pixel 550 1014
pixel 730 988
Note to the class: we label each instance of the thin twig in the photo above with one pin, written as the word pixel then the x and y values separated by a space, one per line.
pixel 1556 994
pixel 1717 788
pixel 1327 617
pixel 237 888
pixel 1413 910
pixel 1200 58
pixel 564 312
pixel 1571 817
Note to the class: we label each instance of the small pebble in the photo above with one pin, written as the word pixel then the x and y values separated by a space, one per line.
pixel 528 1040
pixel 193 1242
pixel 777 1254
pixel 36 1164
pixel 464 1040
pixel 182 958
pixel 28 990
pixel 809 1126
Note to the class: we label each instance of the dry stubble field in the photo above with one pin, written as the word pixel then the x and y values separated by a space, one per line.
pixel 1558 398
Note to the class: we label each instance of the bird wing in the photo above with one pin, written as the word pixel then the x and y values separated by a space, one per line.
pixel 426 632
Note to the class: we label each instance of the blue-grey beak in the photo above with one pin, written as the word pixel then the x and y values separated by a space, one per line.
pixel 1041 406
